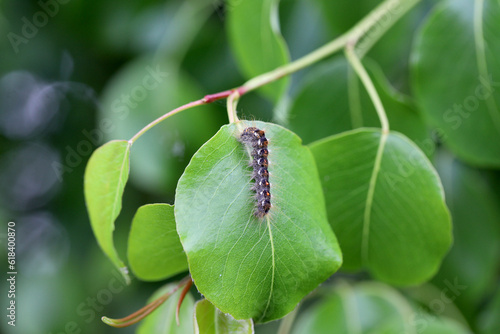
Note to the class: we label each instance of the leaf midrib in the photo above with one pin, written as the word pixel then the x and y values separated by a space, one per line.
pixel 273 267
pixel 116 200
pixel 369 198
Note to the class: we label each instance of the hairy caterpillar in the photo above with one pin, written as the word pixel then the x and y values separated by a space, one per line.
pixel 257 140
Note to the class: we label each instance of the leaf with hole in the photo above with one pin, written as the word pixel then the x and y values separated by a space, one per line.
pixel 246 266
pixel 154 249
pixel 385 203
pixel 105 178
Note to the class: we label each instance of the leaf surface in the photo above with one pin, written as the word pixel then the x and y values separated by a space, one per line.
pixel 105 177
pixel 385 203
pixel 269 263
pixel 154 249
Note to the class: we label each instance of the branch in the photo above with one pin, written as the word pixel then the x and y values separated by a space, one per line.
pixel 370 88
pixel 390 10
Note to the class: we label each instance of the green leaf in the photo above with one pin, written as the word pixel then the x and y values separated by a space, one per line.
pixel 364 308
pixel 162 320
pixel 385 203
pixel 432 301
pixel 460 96
pixel 332 100
pixel 250 267
pixel 341 15
pixel 209 320
pixel 321 106
pixel 473 259
pixel 105 178
pixel 143 90
pixel 253 28
pixel 369 308
pixel 154 249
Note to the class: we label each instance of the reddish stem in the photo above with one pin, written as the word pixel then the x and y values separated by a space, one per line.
pixel 217 96
pixel 181 299
pixel 143 312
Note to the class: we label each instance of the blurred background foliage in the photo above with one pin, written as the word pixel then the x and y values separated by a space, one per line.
pixel 101 70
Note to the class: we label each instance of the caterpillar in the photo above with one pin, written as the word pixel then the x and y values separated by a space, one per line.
pixel 256 139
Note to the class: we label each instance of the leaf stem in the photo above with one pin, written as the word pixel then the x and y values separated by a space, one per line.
pixel 232 101
pixel 181 299
pixel 205 100
pixel 367 82
pixel 146 310
pixel 164 117
pixel 372 92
